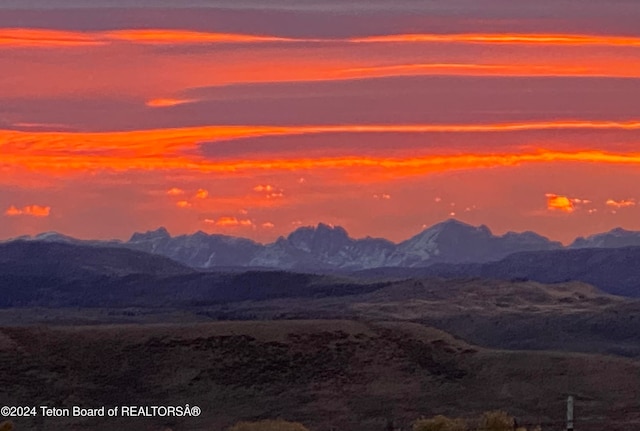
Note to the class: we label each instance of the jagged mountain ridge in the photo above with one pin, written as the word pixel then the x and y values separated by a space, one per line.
pixel 326 247
pixel 615 238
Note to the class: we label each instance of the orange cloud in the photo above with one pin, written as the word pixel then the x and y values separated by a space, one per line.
pixel 382 196
pixel 183 204
pixel 164 36
pixel 233 222
pixel 261 188
pixel 272 192
pixel 44 38
pixel 167 103
pixel 12 211
pixel 25 37
pixel 175 191
pixel 29 210
pixel 624 203
pixel 268 225
pixel 176 149
pixel 471 69
pixel 202 194
pixel 560 203
pixel 505 39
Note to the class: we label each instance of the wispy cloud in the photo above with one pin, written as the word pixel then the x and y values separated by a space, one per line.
pixel 168 102
pixel 27 37
pixel 384 196
pixel 230 221
pixel 202 194
pixel 175 191
pixel 29 210
pixel 623 203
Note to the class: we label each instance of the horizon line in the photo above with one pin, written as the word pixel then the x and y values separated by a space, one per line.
pixel 28 237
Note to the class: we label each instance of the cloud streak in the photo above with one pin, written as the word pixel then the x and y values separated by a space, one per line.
pixel 623 203
pixel 29 210
pixel 46 38
pixel 177 149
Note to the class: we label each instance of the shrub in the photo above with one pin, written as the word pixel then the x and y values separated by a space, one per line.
pixel 496 420
pixel 268 425
pixel 6 426
pixel 440 423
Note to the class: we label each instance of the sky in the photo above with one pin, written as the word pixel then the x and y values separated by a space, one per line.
pixel 253 118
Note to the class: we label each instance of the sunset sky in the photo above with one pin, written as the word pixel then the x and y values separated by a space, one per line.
pixel 252 117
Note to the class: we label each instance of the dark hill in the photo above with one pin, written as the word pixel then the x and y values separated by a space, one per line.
pixel 340 374
pixel 612 270
pixel 68 275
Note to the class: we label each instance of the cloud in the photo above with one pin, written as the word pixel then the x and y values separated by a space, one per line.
pixel 167 103
pixel 265 188
pixel 268 225
pixel 384 196
pixel 175 191
pixel 202 194
pixel 580 201
pixel 624 203
pixel 29 210
pixel 24 37
pixel 272 192
pixel 183 204
pixel 233 222
pixel 560 203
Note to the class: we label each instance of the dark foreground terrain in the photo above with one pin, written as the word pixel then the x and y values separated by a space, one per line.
pixel 344 374
pixel 105 326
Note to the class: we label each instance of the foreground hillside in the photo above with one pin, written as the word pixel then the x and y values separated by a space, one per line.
pixel 53 283
pixel 342 374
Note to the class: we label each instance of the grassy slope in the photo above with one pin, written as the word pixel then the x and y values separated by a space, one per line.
pixel 347 374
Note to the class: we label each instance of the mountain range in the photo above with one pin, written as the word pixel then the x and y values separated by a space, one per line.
pixel 330 248
pixel 155 269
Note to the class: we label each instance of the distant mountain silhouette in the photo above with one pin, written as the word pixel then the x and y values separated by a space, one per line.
pixel 37 273
pixel 450 249
pixel 613 270
pixel 329 248
pixel 615 238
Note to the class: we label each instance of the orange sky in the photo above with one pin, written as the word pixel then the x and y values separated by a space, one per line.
pixel 381 126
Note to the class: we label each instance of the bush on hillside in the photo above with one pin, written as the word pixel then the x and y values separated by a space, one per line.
pixel 440 423
pixel 496 420
pixel 268 425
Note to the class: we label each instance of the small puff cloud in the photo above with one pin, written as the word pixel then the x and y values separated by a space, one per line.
pixel 384 196
pixel 29 210
pixel 202 194
pixel 265 188
pixel 183 204
pixel 624 203
pixel 268 225
pixel 271 191
pixel 560 203
pixel 175 191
